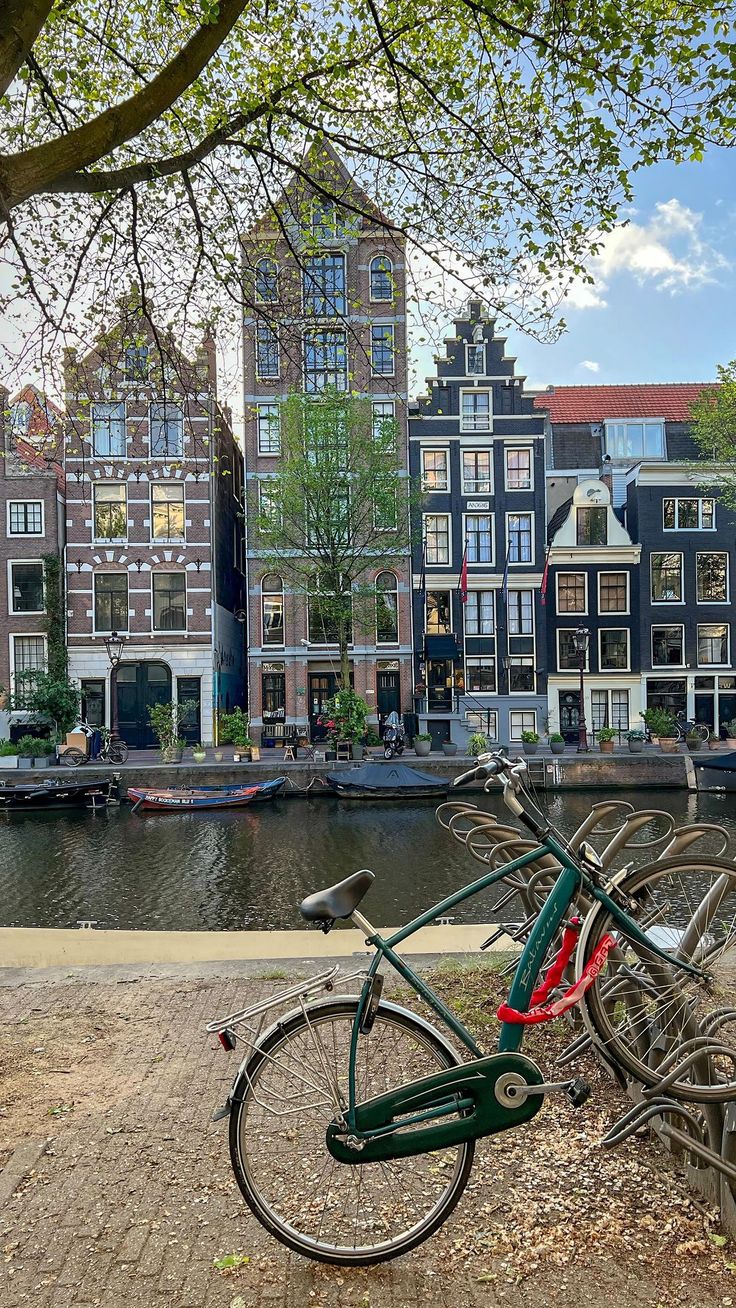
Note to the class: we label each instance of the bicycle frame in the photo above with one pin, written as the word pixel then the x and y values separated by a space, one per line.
pixel 551 917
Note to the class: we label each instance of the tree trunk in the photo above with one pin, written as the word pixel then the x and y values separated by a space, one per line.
pixel 344 664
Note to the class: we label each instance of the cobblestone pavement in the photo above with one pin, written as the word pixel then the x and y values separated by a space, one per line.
pixel 134 1199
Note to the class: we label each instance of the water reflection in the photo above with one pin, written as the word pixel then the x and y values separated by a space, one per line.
pixel 249 869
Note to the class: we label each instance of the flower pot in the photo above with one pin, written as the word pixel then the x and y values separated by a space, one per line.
pixel 530 746
pixel 43 761
pixel 172 755
pixel 25 764
pixel 199 755
pixel 237 756
pixel 449 748
pixel 605 746
pixel 422 748
pixel 557 746
pixel 636 746
pixel 693 743
pixel 712 744
pixel 357 753
pixel 668 746
pixel 731 742
pixel 218 756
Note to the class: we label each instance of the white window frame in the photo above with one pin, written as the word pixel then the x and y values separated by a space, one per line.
pixel 377 417
pixel 521 590
pixel 435 449
pixel 559 632
pixel 477 346
pixel 523 513
pixel 448 519
pixel 168 456
pixel 26 635
pixel 522 660
pixel 107 572
pixel 381 299
pixel 612 613
pixel 655 603
pixel 108 540
pixel 657 666
pixel 480 635
pixel 392 347
pixel 265 484
pixel 472 427
pixel 264 423
pixel 266 595
pixel 483 513
pixel 169 631
pixel 473 660
pixel 636 422
pixel 274 272
pixel 28 535
pixel 517 449
pixel 515 732
pixel 601 632
pixel 24 613
pixel 700 500
pixel 727 600
pixel 471 449
pixel 267 376
pixel 168 540
pixel 725 663
pixel 110 404
pixel 384 644
pixel 570 613
pixel 486 724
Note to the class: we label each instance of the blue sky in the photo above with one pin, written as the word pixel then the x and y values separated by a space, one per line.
pixel 664 304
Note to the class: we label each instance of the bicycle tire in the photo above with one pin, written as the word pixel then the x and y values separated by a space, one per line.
pixel 117 751
pixel 72 758
pixel 643 1011
pixel 260 1145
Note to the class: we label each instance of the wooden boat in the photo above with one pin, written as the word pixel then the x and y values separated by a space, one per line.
pixel 54 793
pixel 718 773
pixel 387 781
pixel 196 797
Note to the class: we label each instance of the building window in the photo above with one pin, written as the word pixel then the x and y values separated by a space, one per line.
pixel 635 440
pixel 519 533
pixel 521 676
pixel 382 280
pixel 713 643
pixel 519 469
pixel 93 702
pixel 666 578
pixel 520 608
pixel 477 472
pixel 435 476
pixel 521 720
pixel 711 571
pixel 167 431
pixel 592 526
pixel 26 588
pixel 267 281
pixel 267 353
pixel 269 429
pixel 479 613
pixel 323 617
pixel 273 693
pixel 568 659
pixel 382 350
pixel 111 511
pixel 386 503
pixel 325 361
pixel 484 721
pixel 108 431
pixel 614 649
pixel 111 601
pixel 323 218
pixel 169 601
pixel 620 710
pixel 167 510
pixel 475 411
pixel 480 676
pixel 613 592
pixel 475 359
pixel 572 592
pixel 387 609
pixel 668 646
pixel 269 504
pixel 136 363
pixel 383 414
pixel 25 518
pixel 29 654
pixel 323 283
pixel 688 515
pixel 439 613
pixel 610 709
pixel 272 610
pixel 479 537
pixel 437 538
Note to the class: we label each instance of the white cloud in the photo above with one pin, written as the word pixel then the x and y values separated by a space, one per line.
pixel 590 365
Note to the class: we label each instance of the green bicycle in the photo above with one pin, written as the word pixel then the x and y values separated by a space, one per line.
pixel 353 1121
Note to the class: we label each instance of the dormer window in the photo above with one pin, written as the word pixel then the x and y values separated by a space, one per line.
pixel 136 362
pixel 635 440
pixel 475 360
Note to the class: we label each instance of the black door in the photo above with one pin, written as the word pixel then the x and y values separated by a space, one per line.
pixel 322 686
pixel 570 716
pixel 189 691
pixel 387 696
pixel 140 686
pixel 439 674
pixel 726 707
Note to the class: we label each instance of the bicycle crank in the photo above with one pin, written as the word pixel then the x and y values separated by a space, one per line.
pixel 438 1111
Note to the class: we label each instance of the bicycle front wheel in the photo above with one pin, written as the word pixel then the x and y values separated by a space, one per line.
pixel 349 1214
pixel 661 1024
pixel 117 751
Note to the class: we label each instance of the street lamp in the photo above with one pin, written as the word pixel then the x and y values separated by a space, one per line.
pixel 581 640
pixel 114 644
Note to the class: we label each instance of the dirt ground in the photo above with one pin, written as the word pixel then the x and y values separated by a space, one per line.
pixel 134 1202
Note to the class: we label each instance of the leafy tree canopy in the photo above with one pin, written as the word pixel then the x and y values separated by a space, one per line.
pixel 714 429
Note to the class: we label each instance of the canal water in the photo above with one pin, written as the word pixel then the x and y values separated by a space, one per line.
pixel 249 869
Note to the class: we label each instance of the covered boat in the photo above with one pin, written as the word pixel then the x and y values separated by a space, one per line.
pixel 718 773
pixel 53 793
pixel 387 781
pixel 196 797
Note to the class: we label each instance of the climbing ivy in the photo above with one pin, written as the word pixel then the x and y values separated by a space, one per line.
pixel 54 625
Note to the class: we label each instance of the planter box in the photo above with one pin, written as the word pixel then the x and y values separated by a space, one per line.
pixel 43 762
pixel 530 747
pixel 668 746
pixel 8 761
pixel 557 746
pixel 422 748
pixel 25 764
pixel 605 746
pixel 636 746
pixel 449 748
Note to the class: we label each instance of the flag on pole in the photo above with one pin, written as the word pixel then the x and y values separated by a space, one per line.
pixel 543 589
pixel 463 583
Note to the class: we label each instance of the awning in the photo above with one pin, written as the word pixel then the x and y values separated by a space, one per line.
pixel 441 647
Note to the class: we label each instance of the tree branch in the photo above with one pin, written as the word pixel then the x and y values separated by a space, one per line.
pixel 20 23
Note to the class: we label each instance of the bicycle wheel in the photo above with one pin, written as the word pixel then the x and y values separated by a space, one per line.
pixel 349 1214
pixel 72 758
pixel 117 751
pixel 650 1015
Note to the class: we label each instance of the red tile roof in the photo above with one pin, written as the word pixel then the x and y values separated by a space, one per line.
pixel 668 400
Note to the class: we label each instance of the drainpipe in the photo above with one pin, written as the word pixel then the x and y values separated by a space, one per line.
pixel 213 575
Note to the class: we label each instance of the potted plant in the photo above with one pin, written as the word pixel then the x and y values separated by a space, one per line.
pixel 219 756
pixel 166 720
pixel 346 718
pixel 694 742
pixel 530 741
pixel 714 741
pixel 477 744
pixel 449 748
pixel 199 753
pixel 43 753
pixel 422 744
pixel 8 755
pixel 235 730
pixel 730 730
pixel 661 726
pixel 556 742
pixel 636 742
pixel 606 737
pixel 29 749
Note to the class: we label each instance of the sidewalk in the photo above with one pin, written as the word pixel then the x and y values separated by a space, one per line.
pixel 134 1199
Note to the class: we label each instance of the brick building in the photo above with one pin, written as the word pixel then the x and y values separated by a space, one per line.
pixel 324 281
pixel 31 527
pixel 154 532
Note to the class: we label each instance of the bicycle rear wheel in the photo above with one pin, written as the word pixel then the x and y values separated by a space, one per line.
pixel 651 1016
pixel 349 1214
pixel 72 758
pixel 117 751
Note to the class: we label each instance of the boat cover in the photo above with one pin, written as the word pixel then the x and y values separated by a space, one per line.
pixel 386 776
pixel 722 762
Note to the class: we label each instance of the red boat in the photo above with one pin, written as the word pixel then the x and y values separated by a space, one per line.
pixel 177 798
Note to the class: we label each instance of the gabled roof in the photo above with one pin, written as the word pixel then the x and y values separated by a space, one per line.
pixel 322 162
pixel 41 447
pixel 668 400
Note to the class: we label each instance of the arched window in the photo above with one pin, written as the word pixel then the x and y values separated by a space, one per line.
pixel 267 281
pixel 382 278
pixel 272 610
pixel 387 609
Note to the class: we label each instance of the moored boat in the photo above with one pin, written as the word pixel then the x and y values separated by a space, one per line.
pixel 176 798
pixel 717 773
pixel 54 793
pixel 387 781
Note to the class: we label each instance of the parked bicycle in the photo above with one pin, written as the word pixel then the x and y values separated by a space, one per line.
pixel 353 1121
pixel 683 728
pixel 112 749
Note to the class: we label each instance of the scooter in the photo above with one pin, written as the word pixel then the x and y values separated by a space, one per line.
pixel 394 736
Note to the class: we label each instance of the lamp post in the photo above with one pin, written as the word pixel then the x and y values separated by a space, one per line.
pixel 581 640
pixel 114 644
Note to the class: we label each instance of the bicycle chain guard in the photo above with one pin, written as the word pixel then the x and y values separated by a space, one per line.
pixel 399 1123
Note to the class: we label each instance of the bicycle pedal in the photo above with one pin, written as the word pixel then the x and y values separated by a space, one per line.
pixel 578 1092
